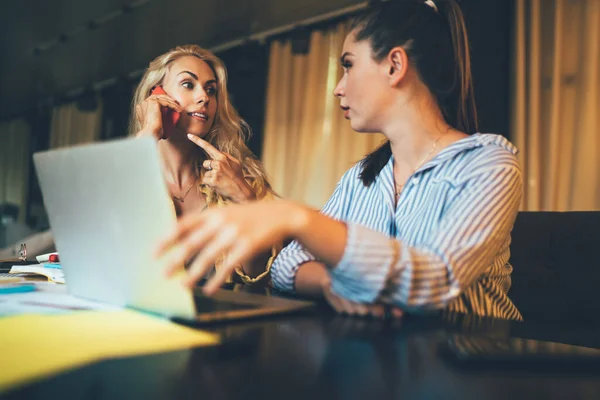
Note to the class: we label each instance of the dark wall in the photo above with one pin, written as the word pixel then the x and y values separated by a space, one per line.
pixel 490 25
pixel 50 48
pixel 247 70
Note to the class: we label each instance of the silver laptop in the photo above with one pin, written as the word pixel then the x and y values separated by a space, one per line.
pixel 108 208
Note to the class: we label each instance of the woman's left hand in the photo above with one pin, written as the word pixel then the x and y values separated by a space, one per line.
pixel 344 306
pixel 240 231
pixel 224 173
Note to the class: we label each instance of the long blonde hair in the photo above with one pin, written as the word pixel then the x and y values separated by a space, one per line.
pixel 229 131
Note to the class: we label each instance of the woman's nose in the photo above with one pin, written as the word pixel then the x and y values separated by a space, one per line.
pixel 202 98
pixel 339 90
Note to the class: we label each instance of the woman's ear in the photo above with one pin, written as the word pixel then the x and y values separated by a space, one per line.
pixel 397 62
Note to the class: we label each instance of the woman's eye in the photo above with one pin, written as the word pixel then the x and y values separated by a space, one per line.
pixel 211 90
pixel 346 66
pixel 187 85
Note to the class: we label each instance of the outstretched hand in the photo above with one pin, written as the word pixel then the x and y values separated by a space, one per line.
pixel 240 231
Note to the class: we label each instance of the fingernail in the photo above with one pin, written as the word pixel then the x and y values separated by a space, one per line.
pixel 190 136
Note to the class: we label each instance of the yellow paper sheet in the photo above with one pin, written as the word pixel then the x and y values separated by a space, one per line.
pixel 35 346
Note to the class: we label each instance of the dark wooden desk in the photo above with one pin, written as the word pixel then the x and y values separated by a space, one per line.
pixel 322 356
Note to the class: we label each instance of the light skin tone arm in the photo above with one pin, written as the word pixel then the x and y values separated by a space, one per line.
pixel 310 278
pixel 244 231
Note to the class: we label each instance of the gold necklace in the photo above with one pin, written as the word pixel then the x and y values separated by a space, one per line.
pixel 400 187
pixel 182 198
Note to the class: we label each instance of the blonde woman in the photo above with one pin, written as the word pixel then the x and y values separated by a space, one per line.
pixel 205 160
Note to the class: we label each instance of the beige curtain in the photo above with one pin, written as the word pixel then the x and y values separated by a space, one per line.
pixel 557 101
pixel 70 126
pixel 308 144
pixel 15 159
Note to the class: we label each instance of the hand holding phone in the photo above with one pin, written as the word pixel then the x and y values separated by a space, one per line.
pixel 170 117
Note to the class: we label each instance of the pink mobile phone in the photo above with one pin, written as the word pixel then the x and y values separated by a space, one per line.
pixel 169 116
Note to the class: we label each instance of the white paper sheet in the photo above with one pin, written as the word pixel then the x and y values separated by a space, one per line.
pixel 48 298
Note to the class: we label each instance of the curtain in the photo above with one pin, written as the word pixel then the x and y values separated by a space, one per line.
pixel 71 125
pixel 556 102
pixel 14 163
pixel 307 144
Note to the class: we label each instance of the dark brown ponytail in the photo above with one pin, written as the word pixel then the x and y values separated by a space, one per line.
pixel 466 111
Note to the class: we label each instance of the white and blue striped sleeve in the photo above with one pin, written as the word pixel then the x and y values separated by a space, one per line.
pixel 472 231
pixel 283 270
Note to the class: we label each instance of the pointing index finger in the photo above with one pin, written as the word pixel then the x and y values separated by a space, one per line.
pixel 207 147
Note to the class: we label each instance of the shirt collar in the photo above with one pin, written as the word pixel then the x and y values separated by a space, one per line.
pixel 385 179
pixel 473 141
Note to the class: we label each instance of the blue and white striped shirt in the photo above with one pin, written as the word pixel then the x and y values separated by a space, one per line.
pixel 451 227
